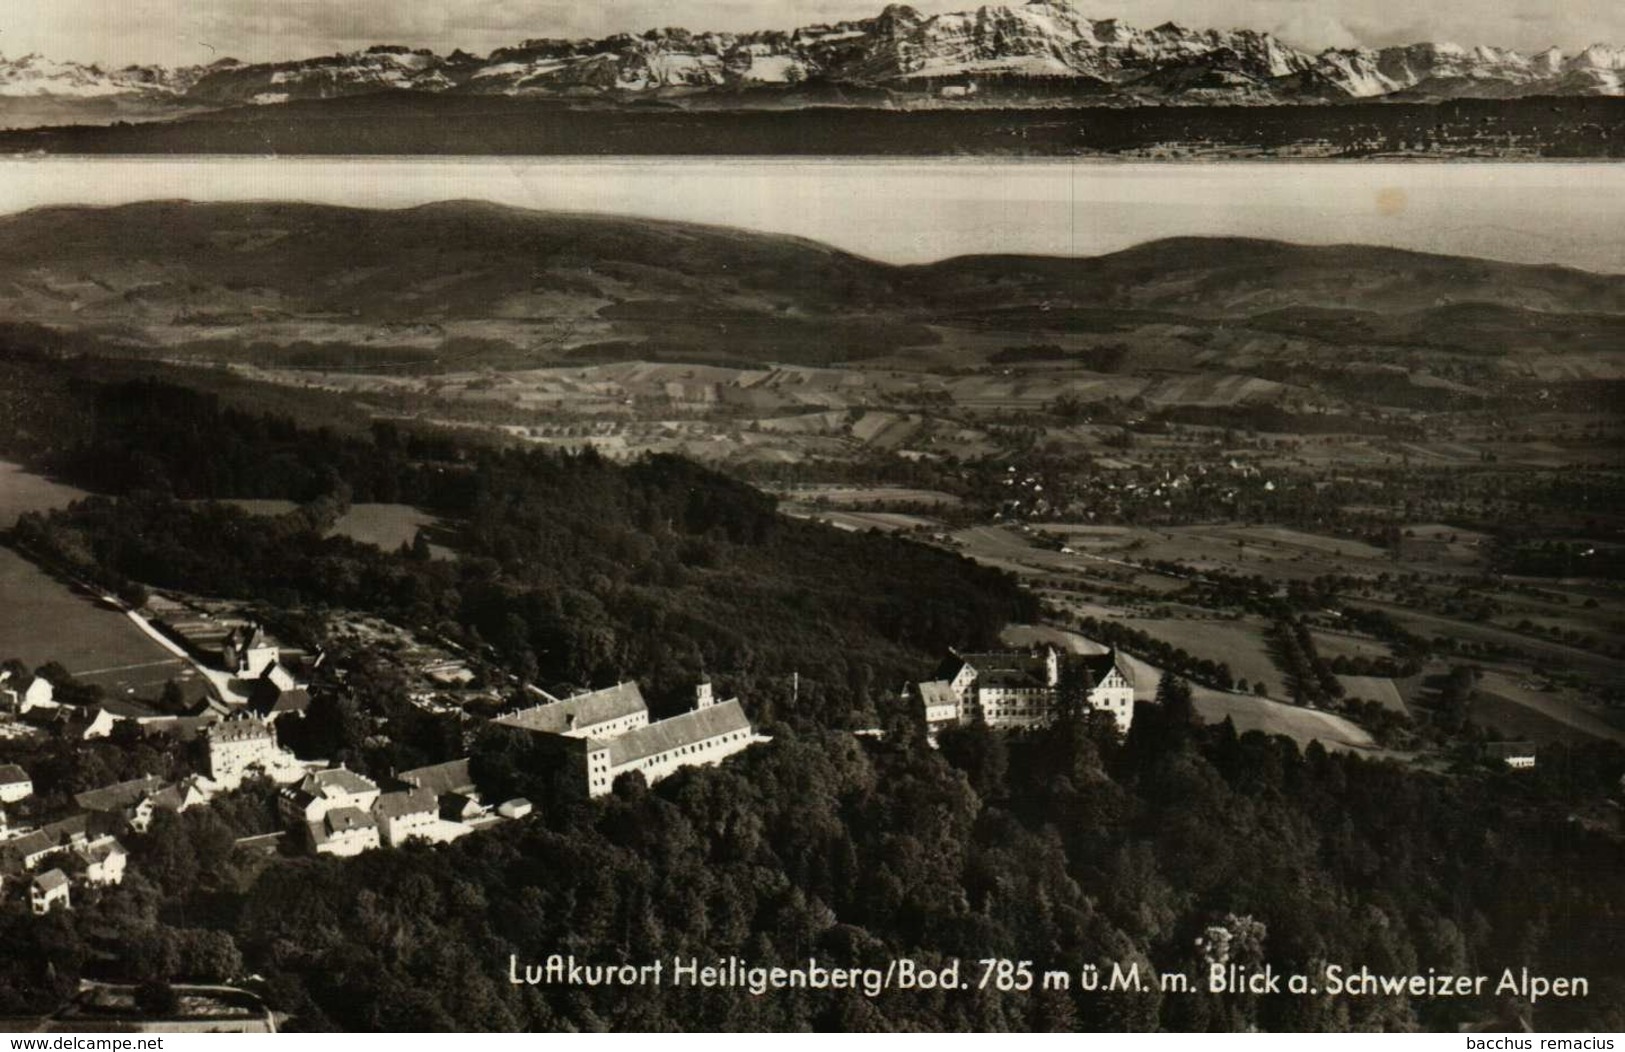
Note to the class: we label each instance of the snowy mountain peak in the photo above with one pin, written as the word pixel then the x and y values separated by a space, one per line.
pixel 1018 48
pixel 1600 56
pixel 36 75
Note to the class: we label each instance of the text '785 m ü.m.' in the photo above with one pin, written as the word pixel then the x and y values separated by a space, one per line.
pixel 904 973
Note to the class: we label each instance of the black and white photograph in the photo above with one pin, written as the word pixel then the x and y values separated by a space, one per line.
pixel 504 614
pixel 1129 79
pixel 742 517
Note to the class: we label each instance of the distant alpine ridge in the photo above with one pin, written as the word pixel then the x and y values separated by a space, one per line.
pixel 1041 49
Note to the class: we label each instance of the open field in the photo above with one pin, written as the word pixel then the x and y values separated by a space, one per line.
pixel 1331 644
pixel 1560 655
pixel 1239 644
pixel 43 620
pixel 1500 690
pixel 1247 712
pixel 885 521
pixel 1509 719
pixel 23 491
pixel 386 525
pixel 1374 688
pixel 1275 717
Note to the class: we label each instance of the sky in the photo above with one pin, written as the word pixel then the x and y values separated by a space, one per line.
pixel 180 32
pixel 915 212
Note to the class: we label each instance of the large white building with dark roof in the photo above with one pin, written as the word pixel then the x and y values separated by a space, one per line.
pixel 705 736
pixel 405 815
pixel 322 791
pixel 343 831
pixel 621 739
pixel 1021 688
pixel 240 746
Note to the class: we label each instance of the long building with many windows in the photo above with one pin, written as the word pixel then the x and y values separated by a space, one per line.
pixel 598 714
pixel 709 733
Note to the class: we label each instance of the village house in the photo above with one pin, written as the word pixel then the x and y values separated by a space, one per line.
pixel 49 891
pixel 124 800
pixel 104 861
pixel 1021 688
pixel 597 714
pixel 122 709
pixel 21 697
pixel 322 791
pixel 134 803
pixel 461 807
pixel 182 728
pixel 275 693
pixel 442 779
pixel 1013 688
pixel 25 852
pixel 938 701
pixel 246 652
pixel 15 784
pixel 452 785
pixel 191 791
pixel 89 725
pixel 343 831
pixel 408 814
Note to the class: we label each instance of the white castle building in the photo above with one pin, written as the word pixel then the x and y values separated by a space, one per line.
pixel 1021 688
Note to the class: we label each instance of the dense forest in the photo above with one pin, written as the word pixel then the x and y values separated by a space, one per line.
pixel 1176 847
pixel 570 570
pixel 1064 847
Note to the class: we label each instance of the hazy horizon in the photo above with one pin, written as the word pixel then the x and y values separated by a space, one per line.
pixel 158 31
pixel 922 212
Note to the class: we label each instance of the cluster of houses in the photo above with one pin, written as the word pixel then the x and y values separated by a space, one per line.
pixel 597 736
pixel 337 811
pixel 340 812
pixel 1021 688
pixel 89 838
pixel 33 698
pixel 236 729
pixel 85 842
pixel 604 734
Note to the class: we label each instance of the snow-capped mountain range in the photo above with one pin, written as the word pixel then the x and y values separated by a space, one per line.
pixel 1040 46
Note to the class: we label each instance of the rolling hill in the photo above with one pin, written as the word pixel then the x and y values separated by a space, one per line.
pixel 343 286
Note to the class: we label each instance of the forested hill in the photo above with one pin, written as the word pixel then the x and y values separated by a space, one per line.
pixel 1182 847
pixel 572 569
